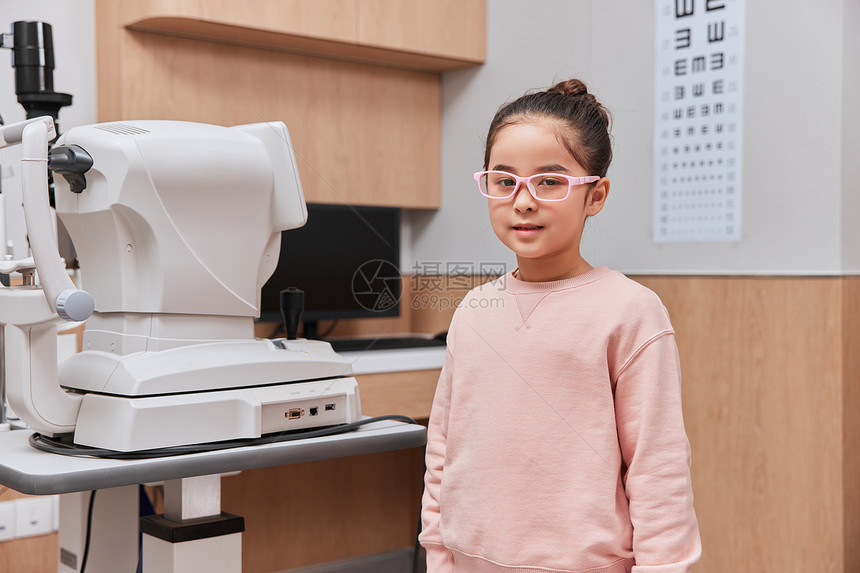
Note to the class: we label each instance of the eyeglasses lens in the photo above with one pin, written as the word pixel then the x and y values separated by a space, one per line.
pixel 550 187
pixel 497 184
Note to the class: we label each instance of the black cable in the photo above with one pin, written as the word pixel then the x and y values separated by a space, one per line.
pixel 89 532
pixel 66 448
pixel 416 553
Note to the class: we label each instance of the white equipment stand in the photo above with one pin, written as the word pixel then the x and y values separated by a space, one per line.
pixel 193 534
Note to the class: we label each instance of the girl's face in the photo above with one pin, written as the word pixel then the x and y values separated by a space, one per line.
pixel 544 235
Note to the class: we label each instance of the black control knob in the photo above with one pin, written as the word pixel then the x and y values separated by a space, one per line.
pixel 292 306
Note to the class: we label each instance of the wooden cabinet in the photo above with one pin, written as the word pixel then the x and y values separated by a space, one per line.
pixel 438 35
pixel 299 515
pixel 450 30
pixel 356 81
pixel 255 22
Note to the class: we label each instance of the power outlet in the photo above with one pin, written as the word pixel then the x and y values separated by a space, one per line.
pixel 7 520
pixel 34 516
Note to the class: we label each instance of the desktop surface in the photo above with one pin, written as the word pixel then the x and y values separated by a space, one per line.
pixel 31 471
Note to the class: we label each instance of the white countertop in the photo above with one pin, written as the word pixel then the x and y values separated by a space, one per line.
pixel 399 360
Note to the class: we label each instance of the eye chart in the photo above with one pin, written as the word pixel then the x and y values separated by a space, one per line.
pixel 698 124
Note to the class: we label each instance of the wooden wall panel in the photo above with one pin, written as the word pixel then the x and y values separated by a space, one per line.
pixel 366 133
pixel 345 119
pixel 771 388
pixel 763 401
pixel 302 514
pixel 405 393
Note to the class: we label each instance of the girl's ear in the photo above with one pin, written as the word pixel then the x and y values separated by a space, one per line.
pixel 597 197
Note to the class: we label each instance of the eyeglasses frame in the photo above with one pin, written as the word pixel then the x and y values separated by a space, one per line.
pixel 571 182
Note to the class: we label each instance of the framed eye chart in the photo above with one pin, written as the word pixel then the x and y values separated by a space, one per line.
pixel 698 124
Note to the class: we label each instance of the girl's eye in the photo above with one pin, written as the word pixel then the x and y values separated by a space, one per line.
pixel 549 182
pixel 506 182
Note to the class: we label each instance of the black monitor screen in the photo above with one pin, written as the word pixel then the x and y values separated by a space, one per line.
pixel 346 261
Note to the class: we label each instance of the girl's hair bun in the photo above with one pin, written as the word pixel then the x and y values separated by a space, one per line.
pixel 572 87
pixel 587 139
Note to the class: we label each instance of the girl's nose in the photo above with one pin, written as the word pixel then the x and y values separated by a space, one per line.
pixel 523 200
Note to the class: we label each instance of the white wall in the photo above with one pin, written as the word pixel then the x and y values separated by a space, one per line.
pixel 800 74
pixel 73 27
pixel 529 44
pixel 801 133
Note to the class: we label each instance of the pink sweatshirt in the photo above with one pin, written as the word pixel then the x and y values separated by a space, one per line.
pixel 556 441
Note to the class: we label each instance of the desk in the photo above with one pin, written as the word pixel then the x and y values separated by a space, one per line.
pixel 31 471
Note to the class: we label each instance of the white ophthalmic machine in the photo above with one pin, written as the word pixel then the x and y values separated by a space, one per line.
pixel 177 226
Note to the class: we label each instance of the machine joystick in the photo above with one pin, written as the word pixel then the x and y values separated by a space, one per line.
pixel 292 305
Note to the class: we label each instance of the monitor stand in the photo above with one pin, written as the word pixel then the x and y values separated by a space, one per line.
pixel 311 329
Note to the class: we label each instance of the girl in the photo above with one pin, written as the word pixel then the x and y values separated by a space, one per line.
pixel 556 441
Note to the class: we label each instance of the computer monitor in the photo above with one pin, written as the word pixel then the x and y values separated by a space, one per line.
pixel 346 260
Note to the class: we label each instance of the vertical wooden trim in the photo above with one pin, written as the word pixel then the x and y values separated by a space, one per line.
pixel 110 38
pixel 851 422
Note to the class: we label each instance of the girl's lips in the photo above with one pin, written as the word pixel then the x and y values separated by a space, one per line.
pixel 526 230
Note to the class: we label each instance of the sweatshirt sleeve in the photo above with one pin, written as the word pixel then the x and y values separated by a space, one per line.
pixel 656 453
pixel 439 558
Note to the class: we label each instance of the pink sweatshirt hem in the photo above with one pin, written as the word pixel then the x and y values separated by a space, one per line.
pixel 475 564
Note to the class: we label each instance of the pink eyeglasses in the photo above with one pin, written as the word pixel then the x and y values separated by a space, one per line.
pixel 542 186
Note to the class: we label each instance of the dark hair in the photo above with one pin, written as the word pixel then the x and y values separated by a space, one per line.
pixel 587 138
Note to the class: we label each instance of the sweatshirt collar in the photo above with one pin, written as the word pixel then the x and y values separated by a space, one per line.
pixel 517 286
